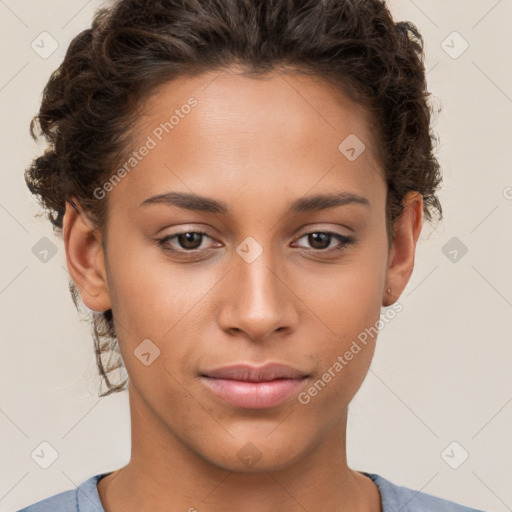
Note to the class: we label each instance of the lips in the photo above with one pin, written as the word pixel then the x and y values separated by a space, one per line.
pixel 250 373
pixel 254 387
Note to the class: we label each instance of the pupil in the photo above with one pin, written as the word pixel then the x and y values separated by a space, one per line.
pixel 189 240
pixel 316 236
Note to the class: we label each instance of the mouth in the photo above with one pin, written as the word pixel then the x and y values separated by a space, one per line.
pixel 254 387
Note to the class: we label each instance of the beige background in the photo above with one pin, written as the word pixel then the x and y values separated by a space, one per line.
pixel 442 368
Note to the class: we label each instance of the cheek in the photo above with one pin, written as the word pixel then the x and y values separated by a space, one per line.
pixel 344 355
pixel 347 309
pixel 347 298
pixel 151 294
pixel 158 300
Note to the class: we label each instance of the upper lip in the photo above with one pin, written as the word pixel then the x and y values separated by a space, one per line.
pixel 250 373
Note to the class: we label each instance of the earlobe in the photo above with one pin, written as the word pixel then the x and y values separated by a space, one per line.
pixel 85 258
pixel 402 252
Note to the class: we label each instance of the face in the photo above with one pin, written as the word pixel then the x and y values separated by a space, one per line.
pixel 239 265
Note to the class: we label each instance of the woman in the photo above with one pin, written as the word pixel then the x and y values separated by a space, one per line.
pixel 240 186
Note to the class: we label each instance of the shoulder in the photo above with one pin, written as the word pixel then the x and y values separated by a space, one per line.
pixel 397 497
pixel 84 498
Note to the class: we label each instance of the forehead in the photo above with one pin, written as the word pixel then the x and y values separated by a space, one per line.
pixel 223 131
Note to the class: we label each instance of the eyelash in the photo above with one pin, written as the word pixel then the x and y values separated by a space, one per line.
pixel 344 241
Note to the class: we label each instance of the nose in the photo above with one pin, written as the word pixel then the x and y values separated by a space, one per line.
pixel 257 299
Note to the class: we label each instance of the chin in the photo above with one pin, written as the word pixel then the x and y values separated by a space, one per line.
pixel 257 454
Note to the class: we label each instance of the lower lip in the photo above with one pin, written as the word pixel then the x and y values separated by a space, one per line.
pixel 254 395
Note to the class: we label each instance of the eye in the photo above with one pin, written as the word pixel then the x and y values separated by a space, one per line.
pixel 321 240
pixel 188 241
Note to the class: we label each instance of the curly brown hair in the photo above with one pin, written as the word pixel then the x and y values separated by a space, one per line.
pixel 93 100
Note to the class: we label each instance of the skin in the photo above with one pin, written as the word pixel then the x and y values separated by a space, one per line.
pixel 256 145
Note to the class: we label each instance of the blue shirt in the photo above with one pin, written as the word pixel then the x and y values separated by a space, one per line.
pixel 395 498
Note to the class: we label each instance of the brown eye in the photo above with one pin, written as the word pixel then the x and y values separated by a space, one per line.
pixel 187 241
pixel 321 241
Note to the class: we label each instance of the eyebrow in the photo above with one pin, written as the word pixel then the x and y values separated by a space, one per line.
pixel 191 201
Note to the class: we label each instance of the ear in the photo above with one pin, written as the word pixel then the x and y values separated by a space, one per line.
pixel 401 257
pixel 85 258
